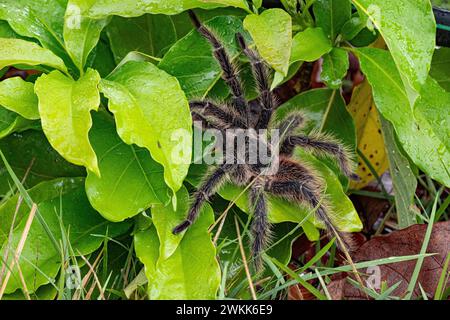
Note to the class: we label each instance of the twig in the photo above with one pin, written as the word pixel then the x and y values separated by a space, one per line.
pixel 244 260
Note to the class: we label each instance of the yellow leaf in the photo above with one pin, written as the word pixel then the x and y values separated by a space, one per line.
pixel 368 131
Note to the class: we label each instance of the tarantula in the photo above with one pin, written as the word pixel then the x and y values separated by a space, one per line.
pixel 294 180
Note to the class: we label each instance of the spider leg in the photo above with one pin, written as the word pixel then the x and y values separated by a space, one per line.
pixel 260 227
pixel 225 118
pixel 206 123
pixel 206 190
pixel 229 71
pixel 298 183
pixel 260 72
pixel 320 145
pixel 291 123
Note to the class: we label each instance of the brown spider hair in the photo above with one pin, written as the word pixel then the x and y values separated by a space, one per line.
pixel 294 180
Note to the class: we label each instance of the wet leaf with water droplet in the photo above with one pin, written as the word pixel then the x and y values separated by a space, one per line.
pixel 17 51
pixel 64 106
pixel 409 29
pixel 39 19
pixel 272 33
pixel 422 130
pixel 81 33
pixel 310 45
pixel 191 61
pixel 131 181
pixel 334 68
pixel 152 112
pixel 18 96
pixel 331 15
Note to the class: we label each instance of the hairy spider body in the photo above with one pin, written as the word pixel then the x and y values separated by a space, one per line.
pixel 293 180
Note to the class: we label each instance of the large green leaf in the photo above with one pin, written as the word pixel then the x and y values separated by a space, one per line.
pixel 69 213
pixel 151 34
pixel 18 95
pixel 39 19
pixel 440 67
pixel 191 271
pixel 334 68
pixel 64 106
pixel 132 8
pixel 331 15
pixel 191 59
pixel 152 112
pixel 131 180
pixel 409 29
pixel 165 219
pixel 272 33
pixel 30 155
pixel 310 45
pixel 424 130
pixel 11 122
pixel 403 179
pixel 18 51
pixel 81 34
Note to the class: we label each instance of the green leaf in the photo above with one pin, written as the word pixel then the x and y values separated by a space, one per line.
pixel 440 67
pixel 150 34
pixel 201 3
pixel 40 20
pixel 183 23
pixel 18 95
pixel 17 51
pixel 279 209
pixel 102 58
pixel 30 154
pixel 152 112
pixel 310 45
pixel 64 106
pixel 47 293
pixel 352 27
pixel 331 15
pixel 432 107
pixel 191 60
pixel 403 178
pixel 11 122
pixel 257 3
pixel 6 31
pixel 81 224
pixel 409 29
pixel 334 68
pixel 191 272
pixel 272 33
pixel 81 34
pixel 132 8
pixel 165 219
pixel 423 131
pixel 131 180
